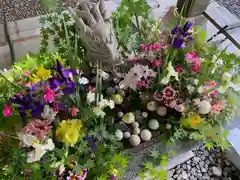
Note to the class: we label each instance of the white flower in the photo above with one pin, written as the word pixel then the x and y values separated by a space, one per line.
pixel 48 113
pixel 201 89
pixel 135 74
pixel 170 73
pixel 91 97
pixel 195 81
pixel 39 150
pixel 190 88
pixel 104 102
pixel 104 75
pixel 27 140
pixel 83 81
pixel 226 77
pixel 99 112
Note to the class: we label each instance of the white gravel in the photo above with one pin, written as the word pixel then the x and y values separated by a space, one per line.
pixel 232 5
pixel 205 165
pixel 21 9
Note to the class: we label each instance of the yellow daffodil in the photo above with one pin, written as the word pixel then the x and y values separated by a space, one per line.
pixel 41 75
pixel 69 131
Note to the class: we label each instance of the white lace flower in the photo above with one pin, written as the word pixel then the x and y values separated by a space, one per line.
pixel 91 97
pixel 170 73
pixel 83 81
pixel 99 112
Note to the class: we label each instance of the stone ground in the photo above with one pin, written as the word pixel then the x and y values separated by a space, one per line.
pixel 21 9
pixel 205 165
pixel 232 5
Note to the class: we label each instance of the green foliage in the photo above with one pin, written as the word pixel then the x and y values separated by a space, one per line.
pixel 49 4
pixel 60 28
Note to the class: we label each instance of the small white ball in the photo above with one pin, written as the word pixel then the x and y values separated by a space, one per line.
pixel 152 106
pixel 162 111
pixel 126 135
pixel 168 126
pixel 144 114
pixel 153 124
pixel 134 140
pixel 119 135
pixel 146 135
pixel 135 125
pixel 204 107
pixel 136 131
pixel 120 114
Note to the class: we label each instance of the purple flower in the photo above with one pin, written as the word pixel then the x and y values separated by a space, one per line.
pixel 92 143
pixel 181 35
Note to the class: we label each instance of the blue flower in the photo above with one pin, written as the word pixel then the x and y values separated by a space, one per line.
pixel 92 143
pixel 181 35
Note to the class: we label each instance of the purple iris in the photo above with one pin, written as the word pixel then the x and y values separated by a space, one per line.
pixel 63 79
pixel 26 102
pixel 181 35
pixel 92 143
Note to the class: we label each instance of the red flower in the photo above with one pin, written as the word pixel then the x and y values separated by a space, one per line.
pixel 74 111
pixel 178 68
pixel 157 63
pixel 168 93
pixel 195 67
pixel 142 47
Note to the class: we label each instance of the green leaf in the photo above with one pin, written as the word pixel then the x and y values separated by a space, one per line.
pixel 142 175
pixel 155 154
pixel 209 146
pixel 148 165
pixel 89 164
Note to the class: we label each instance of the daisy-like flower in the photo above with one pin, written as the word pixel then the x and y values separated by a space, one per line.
pixel 7 111
pixel 168 93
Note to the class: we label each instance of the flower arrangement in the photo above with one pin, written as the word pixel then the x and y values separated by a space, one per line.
pixel 77 124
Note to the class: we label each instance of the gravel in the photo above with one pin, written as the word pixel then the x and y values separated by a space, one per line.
pixel 21 9
pixel 232 5
pixel 205 165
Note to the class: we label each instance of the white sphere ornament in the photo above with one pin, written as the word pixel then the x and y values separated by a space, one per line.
pixel 128 118
pixel 204 107
pixel 168 126
pixel 161 110
pixel 118 135
pixel 145 135
pixel 126 135
pixel 152 106
pixel 134 140
pixel 144 114
pixel 153 124
pixel 136 131
pixel 135 125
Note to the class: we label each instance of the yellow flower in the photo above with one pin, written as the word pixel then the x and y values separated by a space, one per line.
pixel 191 122
pixel 68 131
pixel 43 74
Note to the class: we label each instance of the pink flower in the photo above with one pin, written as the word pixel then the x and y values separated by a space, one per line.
pixel 216 108
pixel 78 177
pixel 196 101
pixel 49 95
pixel 26 73
pixel 7 111
pixel 168 93
pixel 178 68
pixel 74 111
pixel 142 47
pixel 195 67
pixel 112 177
pixel 157 63
pixel 91 89
pixel 180 108
pixel 26 171
pixel 170 103
pixel 210 83
pixel 142 84
pixel 157 96
pixel 155 47
pixel 191 57
pixel 38 128
pixel 213 93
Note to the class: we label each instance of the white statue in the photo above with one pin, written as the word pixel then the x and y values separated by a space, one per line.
pixel 96 32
